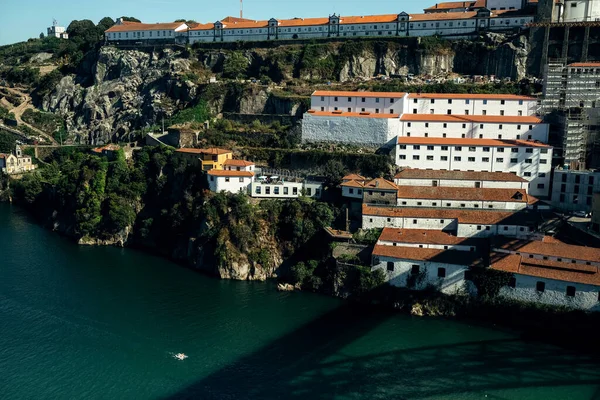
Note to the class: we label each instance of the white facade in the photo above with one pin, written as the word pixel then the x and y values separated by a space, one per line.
pixel 229 181
pixel 470 104
pixel 16 163
pixel 504 4
pixel 57 31
pixel 473 127
pixel 464 183
pixel 124 31
pixel 357 102
pixel 285 190
pixel 449 203
pixel 363 129
pixel 581 10
pixel 352 192
pixel 555 293
pixel 530 161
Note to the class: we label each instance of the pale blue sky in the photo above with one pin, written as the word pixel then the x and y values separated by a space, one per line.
pixel 23 19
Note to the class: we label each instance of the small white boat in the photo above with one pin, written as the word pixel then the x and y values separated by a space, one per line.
pixel 180 356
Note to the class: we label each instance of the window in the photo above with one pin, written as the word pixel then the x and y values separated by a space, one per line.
pixel 500 150
pixel 571 291
pixel 390 266
pixel 416 147
pixel 258 190
pixel 540 286
pixel 444 148
pixel 267 189
pixel 541 186
pixel 500 126
pixel 416 157
pixel 514 160
pixel 242 180
pixel 499 160
pixel 471 159
pixel 429 158
pixel 227 179
pixel 485 159
pixel 295 192
pixel 415 269
pixel 444 158
pixel 402 157
pixel 286 191
pixel 458 148
pixel 457 158
pixel 441 272
pixel 472 149
pixel 414 221
pixel 429 147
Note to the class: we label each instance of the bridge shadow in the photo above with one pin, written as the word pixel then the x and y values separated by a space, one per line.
pixel 311 363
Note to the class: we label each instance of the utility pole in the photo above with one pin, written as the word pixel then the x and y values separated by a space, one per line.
pixel 241 8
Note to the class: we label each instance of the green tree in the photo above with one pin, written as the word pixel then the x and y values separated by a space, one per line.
pixel 235 65
pixel 103 25
pixel 41 35
pixel 334 171
pixel 130 19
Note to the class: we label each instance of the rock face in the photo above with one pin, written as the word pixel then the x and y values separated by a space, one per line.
pixel 130 89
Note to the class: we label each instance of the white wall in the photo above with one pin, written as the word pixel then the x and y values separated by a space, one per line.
pixel 555 293
pixel 504 4
pixel 462 183
pixel 475 130
pixel 440 105
pixel 233 184
pixel 371 222
pixel 287 190
pixel 349 129
pixel 357 103
pixel 426 245
pixel 451 284
pixel 534 166
pixel 446 203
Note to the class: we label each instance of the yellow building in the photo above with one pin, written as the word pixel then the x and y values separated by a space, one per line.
pixel 212 158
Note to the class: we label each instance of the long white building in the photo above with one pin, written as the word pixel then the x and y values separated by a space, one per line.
pixel 527 159
pixel 444 19
pixel 552 273
pixel 459 179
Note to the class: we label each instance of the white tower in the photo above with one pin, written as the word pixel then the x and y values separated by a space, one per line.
pixel 581 10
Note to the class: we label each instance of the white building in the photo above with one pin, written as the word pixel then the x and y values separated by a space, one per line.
pixel 282 189
pixel 353 186
pixel 466 179
pixel 230 181
pixel 138 33
pixel 57 31
pixel 551 273
pixel 528 159
pixel 417 268
pixel 464 223
pixel 471 104
pixel 239 165
pixel 16 163
pixel 580 10
pixel 574 190
pixel 474 198
pixel 426 239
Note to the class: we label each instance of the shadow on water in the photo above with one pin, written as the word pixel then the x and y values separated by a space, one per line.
pixel 310 363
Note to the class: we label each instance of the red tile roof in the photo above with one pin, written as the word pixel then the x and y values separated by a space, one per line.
pixel 354 184
pixel 469 96
pixel 552 249
pixel 387 95
pixel 381 184
pixel 443 16
pixel 351 114
pixel 421 236
pixel 354 177
pixel 413 173
pixel 486 217
pixel 466 194
pixel 455 257
pixel 559 271
pixel 450 5
pixel 227 173
pixel 471 118
pixel 469 142
pixel 586 64
pixel 238 163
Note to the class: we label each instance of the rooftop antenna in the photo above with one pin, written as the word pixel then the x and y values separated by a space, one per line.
pixel 54 22
pixel 241 8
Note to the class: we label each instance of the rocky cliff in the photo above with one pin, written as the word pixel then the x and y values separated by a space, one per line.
pixel 117 91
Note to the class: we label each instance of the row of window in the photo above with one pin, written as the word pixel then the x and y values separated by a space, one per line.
pixel 139 34
pixel 467 101
pixel 577 179
pixel 464 136
pixel 443 221
pixel 276 190
pixel 435 204
pixel 472 159
pixel 464 126
pixel 576 189
pixel 485 149
pixel 575 199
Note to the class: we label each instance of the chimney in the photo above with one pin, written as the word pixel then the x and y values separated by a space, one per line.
pixel 376 184
pixel 120 21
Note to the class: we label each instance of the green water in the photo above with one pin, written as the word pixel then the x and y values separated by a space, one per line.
pixel 103 323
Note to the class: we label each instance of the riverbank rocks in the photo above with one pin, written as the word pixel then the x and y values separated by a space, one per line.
pixel 286 287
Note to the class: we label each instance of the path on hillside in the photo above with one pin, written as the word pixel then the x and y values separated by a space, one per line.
pixel 20 109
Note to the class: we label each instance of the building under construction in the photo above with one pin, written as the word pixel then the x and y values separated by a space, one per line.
pixel 571 102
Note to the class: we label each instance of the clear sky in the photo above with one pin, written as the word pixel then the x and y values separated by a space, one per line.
pixel 24 19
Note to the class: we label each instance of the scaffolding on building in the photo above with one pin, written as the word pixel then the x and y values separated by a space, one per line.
pixel 572 91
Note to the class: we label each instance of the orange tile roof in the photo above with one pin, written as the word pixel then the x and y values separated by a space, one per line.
pixel 414 173
pixel 248 24
pixel 469 96
pixel 486 217
pixel 135 26
pixel 450 5
pixel 302 22
pixel 202 27
pixel 235 19
pixel 351 114
pixel 455 257
pixel 551 249
pixel 369 19
pixel 354 184
pixel 228 173
pixel 466 194
pixel 381 184
pixel 354 177
pixel 212 151
pixel 421 236
pixel 585 64
pixel 559 271
pixel 471 118
pixel 238 163
pixel 386 95
pixel 469 142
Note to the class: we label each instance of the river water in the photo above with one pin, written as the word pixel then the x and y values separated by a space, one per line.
pixel 104 323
